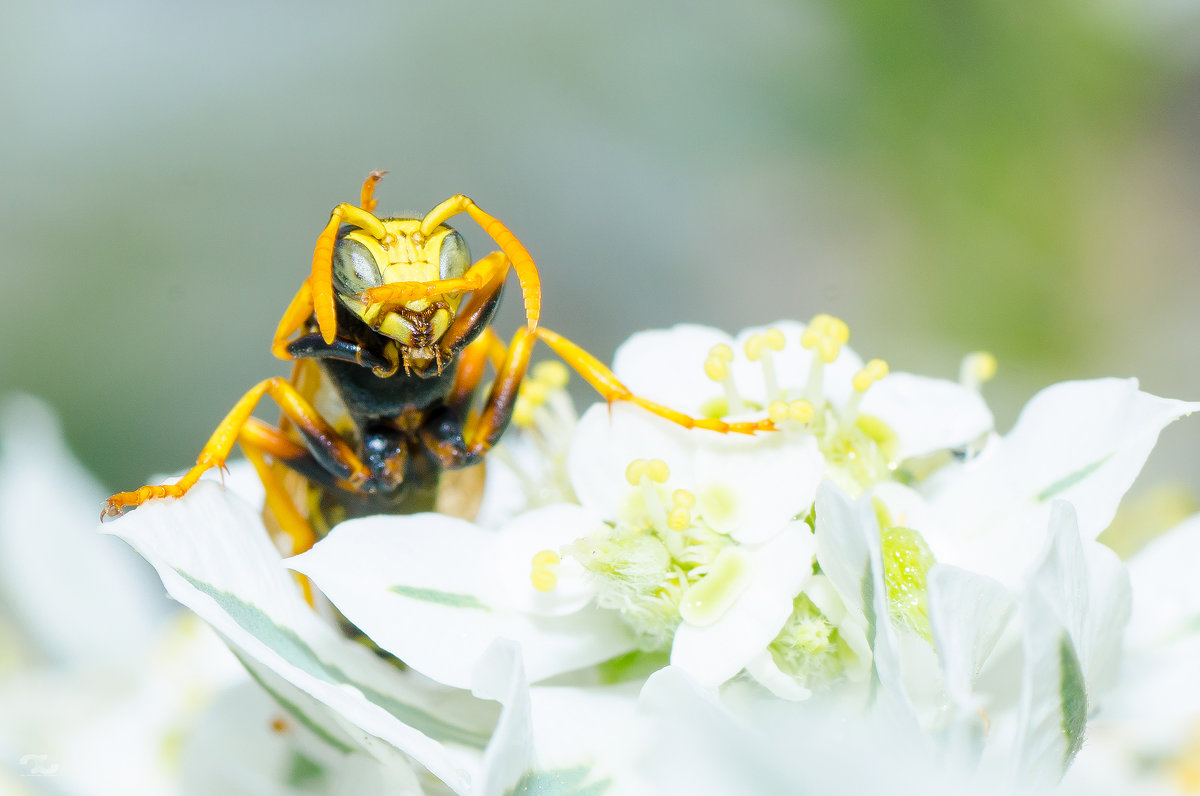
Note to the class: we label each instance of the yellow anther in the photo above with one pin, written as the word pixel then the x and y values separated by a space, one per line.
pixel 874 370
pixel 522 414
pixel 657 470
pixel 535 392
pixel 777 411
pixel 552 373
pixel 721 351
pixel 983 366
pixel 754 346
pixel 838 330
pixel 716 368
pixel 679 518
pixel 543 580
pixel 801 411
pixel 826 334
pixel 828 349
pixel 682 498
pixel 774 339
pixel 543 575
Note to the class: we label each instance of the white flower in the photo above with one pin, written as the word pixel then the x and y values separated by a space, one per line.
pixel 1145 738
pixel 880 557
pixel 100 682
pixel 436 592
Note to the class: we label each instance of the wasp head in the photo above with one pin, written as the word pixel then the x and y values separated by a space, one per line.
pixel 362 261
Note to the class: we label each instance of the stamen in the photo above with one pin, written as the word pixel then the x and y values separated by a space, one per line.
pixel 716 367
pixel 645 475
pixel 825 337
pixel 681 515
pixel 543 574
pixel 872 372
pixel 522 414
pixel 535 390
pixel 758 349
pixel 875 370
pixel 798 411
pixel 976 370
pixel 552 374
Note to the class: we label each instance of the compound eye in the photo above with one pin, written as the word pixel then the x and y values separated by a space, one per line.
pixel 455 259
pixel 354 269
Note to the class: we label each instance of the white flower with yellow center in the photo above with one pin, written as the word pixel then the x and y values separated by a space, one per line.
pixel 866 551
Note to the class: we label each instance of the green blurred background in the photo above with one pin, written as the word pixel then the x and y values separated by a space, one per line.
pixel 946 176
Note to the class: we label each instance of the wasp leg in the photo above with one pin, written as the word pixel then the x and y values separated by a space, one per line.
pixel 333 452
pixel 472 362
pixel 321 280
pixel 293 320
pixel 258 438
pixel 522 262
pixel 476 314
pixel 606 383
pixel 483 431
pixel 487 271
pixel 312 346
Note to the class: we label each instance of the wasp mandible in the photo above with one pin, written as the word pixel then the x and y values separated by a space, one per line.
pixel 393 327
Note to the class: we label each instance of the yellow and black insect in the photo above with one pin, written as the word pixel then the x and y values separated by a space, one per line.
pixel 392 329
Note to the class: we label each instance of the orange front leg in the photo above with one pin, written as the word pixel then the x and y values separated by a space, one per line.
pixel 522 262
pixel 324 442
pixel 321 280
pixel 611 389
pixel 488 271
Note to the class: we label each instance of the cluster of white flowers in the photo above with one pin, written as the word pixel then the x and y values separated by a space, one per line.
pixel 882 579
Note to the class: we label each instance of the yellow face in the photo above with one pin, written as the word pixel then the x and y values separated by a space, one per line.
pixel 362 261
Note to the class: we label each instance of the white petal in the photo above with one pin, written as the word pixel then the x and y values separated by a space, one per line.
pixel 841 545
pixel 1081 441
pixel 213 555
pixel 778 570
pixel 607 439
pixel 752 491
pixel 585 739
pixel 84 599
pixel 1166 591
pixel 967 614
pixel 1054 696
pixel 421 586
pixel 498 676
pixel 928 415
pixel 766 672
pixel 549 528
pixel 667 365
pixel 1109 605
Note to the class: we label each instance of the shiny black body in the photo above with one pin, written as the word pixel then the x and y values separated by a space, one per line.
pixel 406 430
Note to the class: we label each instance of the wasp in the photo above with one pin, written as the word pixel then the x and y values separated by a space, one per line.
pixel 391 335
